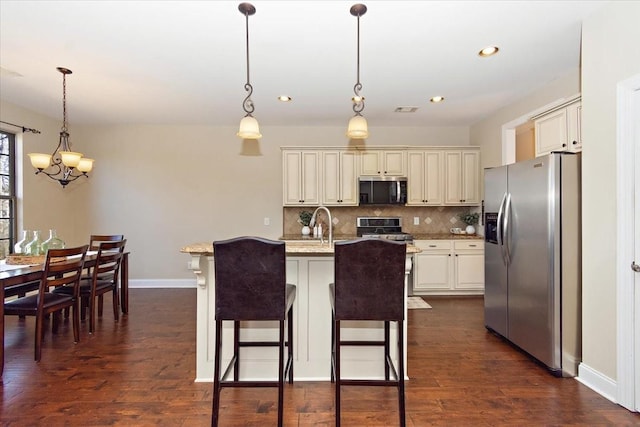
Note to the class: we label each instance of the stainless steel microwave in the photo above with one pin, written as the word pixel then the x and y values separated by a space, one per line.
pixel 383 190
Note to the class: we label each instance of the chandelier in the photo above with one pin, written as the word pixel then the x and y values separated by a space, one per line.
pixel 62 164
pixel 249 128
pixel 358 124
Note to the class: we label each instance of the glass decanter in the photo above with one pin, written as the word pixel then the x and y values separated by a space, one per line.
pixel 53 242
pixel 34 247
pixel 19 247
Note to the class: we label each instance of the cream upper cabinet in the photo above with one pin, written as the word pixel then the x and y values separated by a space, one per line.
pixel 574 126
pixel 301 177
pixel 559 129
pixel 462 176
pixel 425 177
pixel 340 180
pixel 383 162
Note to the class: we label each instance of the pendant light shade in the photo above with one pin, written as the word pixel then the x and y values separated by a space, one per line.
pixel 358 128
pixel 249 128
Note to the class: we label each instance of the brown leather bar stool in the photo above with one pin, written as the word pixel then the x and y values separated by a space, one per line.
pixel 250 284
pixel 369 286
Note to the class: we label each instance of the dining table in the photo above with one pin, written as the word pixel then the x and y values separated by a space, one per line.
pixel 11 275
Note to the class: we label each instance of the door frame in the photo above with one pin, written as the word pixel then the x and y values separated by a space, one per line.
pixel 628 329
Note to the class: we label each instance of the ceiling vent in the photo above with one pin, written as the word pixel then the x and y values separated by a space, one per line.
pixel 406 109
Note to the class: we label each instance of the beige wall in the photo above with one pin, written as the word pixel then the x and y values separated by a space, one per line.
pixel 525 144
pixel 610 54
pixel 166 186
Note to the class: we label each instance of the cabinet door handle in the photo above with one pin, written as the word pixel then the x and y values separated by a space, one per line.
pixel 575 142
pixel 564 145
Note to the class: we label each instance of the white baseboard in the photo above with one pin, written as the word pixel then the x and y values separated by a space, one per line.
pixel 598 382
pixel 162 283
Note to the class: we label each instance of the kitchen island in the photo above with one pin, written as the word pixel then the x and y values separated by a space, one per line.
pixel 309 267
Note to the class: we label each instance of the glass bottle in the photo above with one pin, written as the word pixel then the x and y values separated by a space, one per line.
pixel 53 242
pixel 34 247
pixel 18 248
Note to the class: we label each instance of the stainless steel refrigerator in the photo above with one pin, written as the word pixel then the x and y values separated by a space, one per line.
pixel 532 258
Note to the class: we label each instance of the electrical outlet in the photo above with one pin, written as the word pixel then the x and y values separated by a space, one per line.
pixel 267 221
pixel 416 220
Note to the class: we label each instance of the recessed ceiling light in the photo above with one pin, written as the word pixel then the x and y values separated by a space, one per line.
pixel 284 98
pixel 488 51
pixel 437 99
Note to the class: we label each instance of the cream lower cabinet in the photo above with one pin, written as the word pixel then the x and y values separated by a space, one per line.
pixel 468 265
pixel 433 267
pixel 301 177
pixel 339 178
pixel 449 267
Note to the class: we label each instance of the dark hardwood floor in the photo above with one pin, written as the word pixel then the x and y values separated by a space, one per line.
pixel 139 372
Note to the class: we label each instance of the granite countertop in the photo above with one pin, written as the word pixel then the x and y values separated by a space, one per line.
pixel 446 236
pixel 416 236
pixel 293 247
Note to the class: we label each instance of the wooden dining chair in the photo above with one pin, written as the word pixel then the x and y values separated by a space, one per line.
pixel 369 286
pixel 103 279
pixel 96 239
pixel 63 267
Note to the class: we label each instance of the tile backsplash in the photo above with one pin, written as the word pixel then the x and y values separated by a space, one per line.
pixel 436 219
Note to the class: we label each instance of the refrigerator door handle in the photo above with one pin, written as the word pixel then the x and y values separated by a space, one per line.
pixel 500 229
pixel 505 231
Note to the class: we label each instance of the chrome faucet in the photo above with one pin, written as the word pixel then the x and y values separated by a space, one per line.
pixel 313 222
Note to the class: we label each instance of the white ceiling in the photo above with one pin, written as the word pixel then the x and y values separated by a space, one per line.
pixel 183 62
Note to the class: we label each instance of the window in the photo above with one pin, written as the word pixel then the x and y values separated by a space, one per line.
pixel 7 193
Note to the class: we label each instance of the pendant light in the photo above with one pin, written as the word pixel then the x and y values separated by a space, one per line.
pixel 63 162
pixel 358 124
pixel 249 128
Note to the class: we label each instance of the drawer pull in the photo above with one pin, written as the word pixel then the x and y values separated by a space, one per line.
pixel 432 246
pixel 472 246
